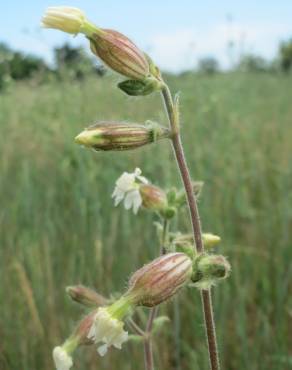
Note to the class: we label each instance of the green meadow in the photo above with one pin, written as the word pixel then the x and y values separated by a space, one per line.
pixel 58 225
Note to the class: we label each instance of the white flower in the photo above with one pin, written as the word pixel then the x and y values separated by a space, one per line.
pixel 108 330
pixel 62 359
pixel 64 18
pixel 127 189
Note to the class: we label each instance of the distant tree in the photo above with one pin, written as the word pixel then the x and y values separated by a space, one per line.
pixel 285 55
pixel 17 66
pixel 75 62
pixel 5 56
pixel 24 66
pixel 252 63
pixel 208 65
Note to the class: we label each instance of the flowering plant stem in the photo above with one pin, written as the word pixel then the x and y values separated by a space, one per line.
pixel 173 116
pixel 148 350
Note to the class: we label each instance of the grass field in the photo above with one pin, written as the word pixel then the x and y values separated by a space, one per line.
pixel 59 226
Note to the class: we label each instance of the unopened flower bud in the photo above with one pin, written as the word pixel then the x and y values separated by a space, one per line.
pixel 183 242
pixel 119 53
pixel 169 212
pixel 87 297
pixel 160 279
pixel 209 269
pixel 210 240
pixel 153 198
pixel 120 136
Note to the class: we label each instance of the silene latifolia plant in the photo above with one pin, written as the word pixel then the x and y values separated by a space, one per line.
pixel 184 260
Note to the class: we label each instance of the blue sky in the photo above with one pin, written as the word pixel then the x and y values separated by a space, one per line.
pixel 175 33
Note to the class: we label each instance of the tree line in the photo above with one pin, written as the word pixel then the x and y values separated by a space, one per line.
pixel 69 62
pixel 73 62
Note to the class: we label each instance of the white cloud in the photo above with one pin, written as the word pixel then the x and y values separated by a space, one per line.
pixel 182 48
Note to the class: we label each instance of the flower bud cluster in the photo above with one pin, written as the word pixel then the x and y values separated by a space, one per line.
pixel 209 269
pixel 185 242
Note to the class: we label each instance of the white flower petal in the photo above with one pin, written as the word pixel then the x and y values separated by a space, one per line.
pixel 137 202
pixel 108 330
pixel 62 359
pixel 143 179
pixel 137 172
pixel 126 181
pixel 133 199
pixel 127 189
pixel 102 350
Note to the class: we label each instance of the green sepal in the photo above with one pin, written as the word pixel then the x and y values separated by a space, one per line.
pixel 139 87
pixel 187 249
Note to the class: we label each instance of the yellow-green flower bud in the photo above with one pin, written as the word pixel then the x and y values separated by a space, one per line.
pixel 208 269
pixel 120 136
pixel 187 241
pixel 210 240
pixel 160 279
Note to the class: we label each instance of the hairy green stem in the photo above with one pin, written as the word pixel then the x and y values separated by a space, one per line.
pixel 148 350
pixel 206 297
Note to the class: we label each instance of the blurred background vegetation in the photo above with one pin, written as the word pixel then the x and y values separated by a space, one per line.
pixel 59 226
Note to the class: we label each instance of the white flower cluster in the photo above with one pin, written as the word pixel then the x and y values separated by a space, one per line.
pixel 127 189
pixel 108 330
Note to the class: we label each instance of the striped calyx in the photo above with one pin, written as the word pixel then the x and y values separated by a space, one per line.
pixel 160 279
pixel 120 136
pixel 119 53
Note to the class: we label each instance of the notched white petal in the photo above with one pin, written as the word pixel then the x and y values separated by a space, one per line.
pixel 127 189
pixel 107 330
